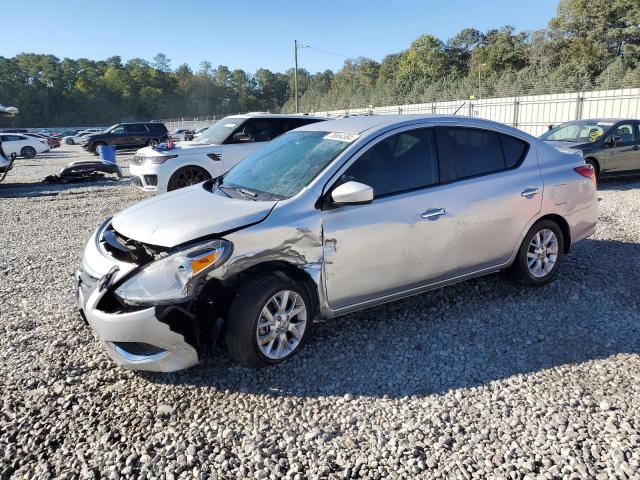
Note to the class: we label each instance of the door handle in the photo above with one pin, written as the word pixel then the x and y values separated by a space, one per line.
pixel 529 192
pixel 433 213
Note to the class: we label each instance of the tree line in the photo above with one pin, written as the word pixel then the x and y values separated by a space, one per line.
pixel 588 44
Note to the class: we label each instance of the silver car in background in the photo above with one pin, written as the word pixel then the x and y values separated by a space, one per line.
pixel 327 219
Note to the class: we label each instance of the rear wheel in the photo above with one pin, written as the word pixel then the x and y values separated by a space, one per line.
pixel 268 321
pixel 28 152
pixel 540 254
pixel 153 142
pixel 94 148
pixel 186 176
pixel 69 141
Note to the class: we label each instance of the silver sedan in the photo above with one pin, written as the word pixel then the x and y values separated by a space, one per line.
pixel 330 218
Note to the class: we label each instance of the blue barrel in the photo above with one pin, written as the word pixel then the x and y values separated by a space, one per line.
pixel 107 153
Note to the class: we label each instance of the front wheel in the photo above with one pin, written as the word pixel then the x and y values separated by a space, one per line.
pixel 268 321
pixel 28 152
pixel 186 176
pixel 540 254
pixel 69 141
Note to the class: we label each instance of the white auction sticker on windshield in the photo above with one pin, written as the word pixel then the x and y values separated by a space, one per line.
pixel 230 125
pixel 342 136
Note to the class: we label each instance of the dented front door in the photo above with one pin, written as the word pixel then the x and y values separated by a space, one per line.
pixel 385 247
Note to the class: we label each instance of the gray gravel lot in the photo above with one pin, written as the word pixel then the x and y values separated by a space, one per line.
pixel 479 380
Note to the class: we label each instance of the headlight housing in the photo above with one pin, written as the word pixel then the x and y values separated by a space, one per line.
pixel 173 278
pixel 157 159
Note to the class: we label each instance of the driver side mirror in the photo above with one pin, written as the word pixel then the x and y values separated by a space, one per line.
pixel 612 140
pixel 242 137
pixel 352 193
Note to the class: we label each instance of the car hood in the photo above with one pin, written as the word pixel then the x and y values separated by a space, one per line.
pixel 187 214
pixel 181 148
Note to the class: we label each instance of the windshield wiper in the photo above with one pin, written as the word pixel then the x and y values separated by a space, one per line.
pixel 242 191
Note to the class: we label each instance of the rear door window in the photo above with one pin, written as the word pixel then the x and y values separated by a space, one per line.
pixel 468 152
pixel 135 128
pixel 260 129
pixel 287 124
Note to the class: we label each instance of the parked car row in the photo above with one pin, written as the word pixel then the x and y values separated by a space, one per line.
pixel 328 218
pixel 23 145
pixel 76 138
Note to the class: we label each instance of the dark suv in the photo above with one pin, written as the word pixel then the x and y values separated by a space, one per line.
pixel 127 135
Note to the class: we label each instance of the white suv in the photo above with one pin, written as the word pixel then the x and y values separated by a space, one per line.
pixel 211 154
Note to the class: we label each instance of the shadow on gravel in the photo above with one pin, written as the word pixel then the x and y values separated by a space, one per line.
pixel 462 336
pixel 629 183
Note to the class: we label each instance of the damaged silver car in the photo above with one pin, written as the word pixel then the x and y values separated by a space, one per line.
pixel 327 219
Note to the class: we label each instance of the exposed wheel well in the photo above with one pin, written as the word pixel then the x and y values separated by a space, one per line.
pixel 564 227
pixel 225 292
pixel 596 164
pixel 216 296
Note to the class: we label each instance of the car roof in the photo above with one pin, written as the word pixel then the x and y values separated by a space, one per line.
pixel 275 115
pixel 361 124
pixel 608 120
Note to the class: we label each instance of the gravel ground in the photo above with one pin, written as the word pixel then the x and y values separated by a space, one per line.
pixel 479 380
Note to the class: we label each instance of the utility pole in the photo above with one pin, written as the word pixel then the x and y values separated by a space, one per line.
pixel 480 80
pixel 295 72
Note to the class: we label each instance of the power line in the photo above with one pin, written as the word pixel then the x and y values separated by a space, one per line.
pixel 326 51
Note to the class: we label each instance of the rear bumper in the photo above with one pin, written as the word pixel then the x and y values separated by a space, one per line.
pixel 583 223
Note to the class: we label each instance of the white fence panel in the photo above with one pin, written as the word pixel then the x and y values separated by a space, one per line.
pixel 532 113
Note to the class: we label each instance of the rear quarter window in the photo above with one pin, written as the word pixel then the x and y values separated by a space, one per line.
pixel 514 150
pixel 156 127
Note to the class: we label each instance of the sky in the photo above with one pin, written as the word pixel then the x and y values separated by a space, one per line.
pixel 250 34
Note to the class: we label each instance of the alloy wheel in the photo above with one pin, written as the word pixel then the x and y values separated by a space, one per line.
pixel 190 176
pixel 281 325
pixel 542 253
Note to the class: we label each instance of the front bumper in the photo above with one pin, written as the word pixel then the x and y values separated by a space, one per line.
pixel 135 339
pixel 147 178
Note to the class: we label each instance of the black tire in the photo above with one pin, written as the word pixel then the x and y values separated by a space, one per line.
pixel 69 141
pixel 595 166
pixel 94 147
pixel 187 176
pixel 28 152
pixel 153 142
pixel 521 272
pixel 242 322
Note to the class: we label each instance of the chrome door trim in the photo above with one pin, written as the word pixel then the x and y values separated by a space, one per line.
pixel 416 290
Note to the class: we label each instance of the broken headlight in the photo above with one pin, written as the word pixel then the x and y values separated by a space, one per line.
pixel 172 278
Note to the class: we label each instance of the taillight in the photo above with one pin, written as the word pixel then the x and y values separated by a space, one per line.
pixel 587 171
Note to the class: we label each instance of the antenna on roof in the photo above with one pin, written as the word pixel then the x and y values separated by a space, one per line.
pixel 458 109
